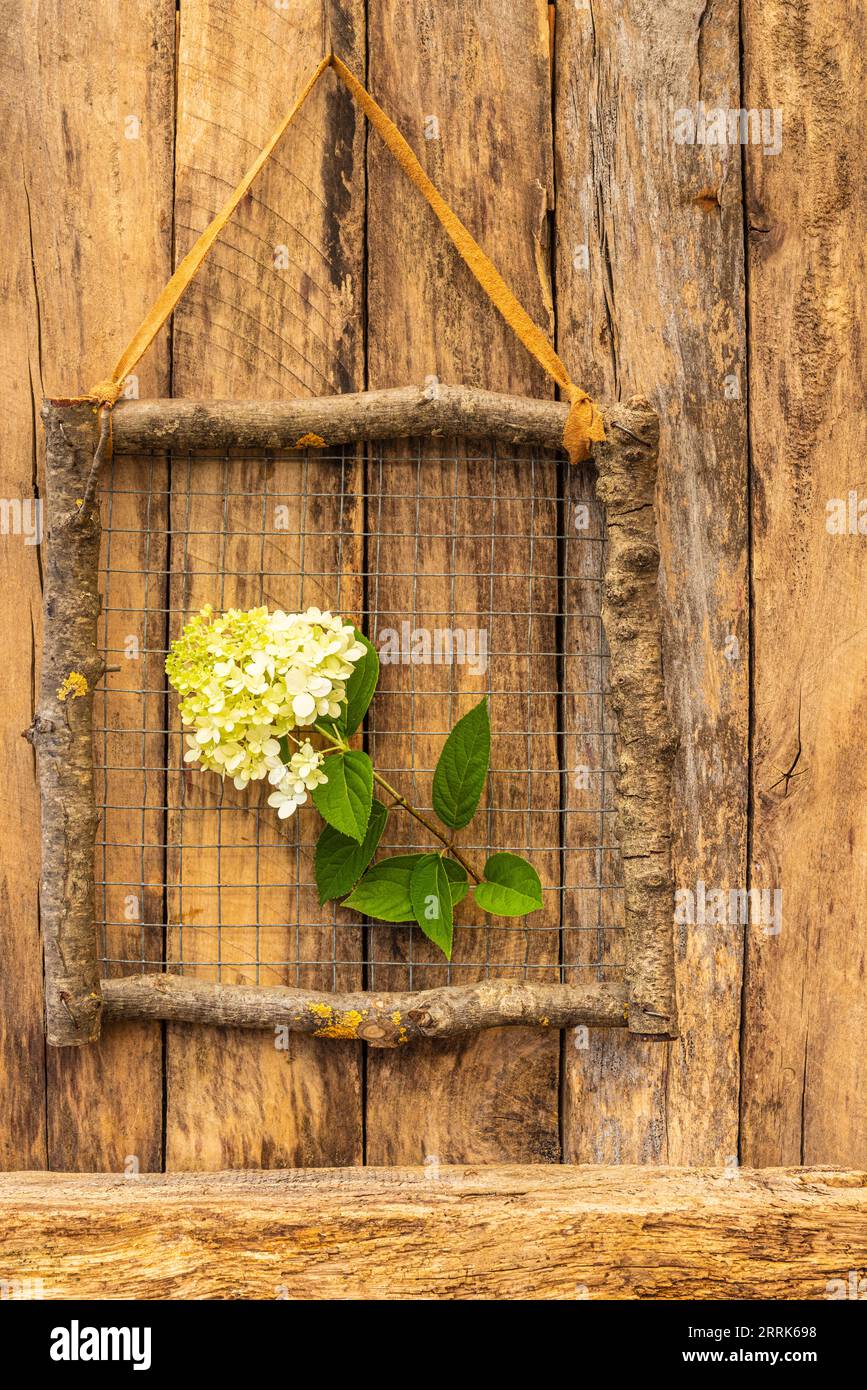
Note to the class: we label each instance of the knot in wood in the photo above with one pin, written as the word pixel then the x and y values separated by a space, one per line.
pixel 39 728
pixel 422 1018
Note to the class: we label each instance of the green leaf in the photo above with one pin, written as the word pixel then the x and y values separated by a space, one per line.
pixel 359 692
pixel 341 860
pixel 384 891
pixel 344 801
pixel 361 686
pixel 457 876
pixel 460 774
pixel 511 887
pixel 430 894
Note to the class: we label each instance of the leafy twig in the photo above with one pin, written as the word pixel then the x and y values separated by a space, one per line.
pixel 400 800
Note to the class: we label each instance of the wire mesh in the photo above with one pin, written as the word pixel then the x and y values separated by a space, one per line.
pixel 473 570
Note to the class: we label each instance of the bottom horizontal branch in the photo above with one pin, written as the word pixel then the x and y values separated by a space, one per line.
pixel 384 1020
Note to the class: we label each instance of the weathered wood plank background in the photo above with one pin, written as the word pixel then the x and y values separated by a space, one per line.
pixel 722 282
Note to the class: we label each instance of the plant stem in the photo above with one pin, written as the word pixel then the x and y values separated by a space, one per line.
pixel 428 825
pixel 400 800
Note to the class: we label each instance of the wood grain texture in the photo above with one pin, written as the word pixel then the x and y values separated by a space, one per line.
pixel 23 1134
pixel 469 89
pixel 805 1003
pixel 87 237
pixel 276 311
pixel 83 264
pixel 649 296
pixel 537 1232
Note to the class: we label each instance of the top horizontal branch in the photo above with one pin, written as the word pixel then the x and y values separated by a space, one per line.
pixel 408 411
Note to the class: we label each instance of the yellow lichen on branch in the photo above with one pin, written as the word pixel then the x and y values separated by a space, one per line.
pixel 343 1026
pixel 75 684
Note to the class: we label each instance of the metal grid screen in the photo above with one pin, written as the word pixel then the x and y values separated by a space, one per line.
pixel 472 569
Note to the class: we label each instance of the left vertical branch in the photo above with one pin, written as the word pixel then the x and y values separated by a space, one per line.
pixel 62 728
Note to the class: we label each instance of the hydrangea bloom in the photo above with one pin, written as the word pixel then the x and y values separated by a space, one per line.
pixel 248 678
pixel 295 781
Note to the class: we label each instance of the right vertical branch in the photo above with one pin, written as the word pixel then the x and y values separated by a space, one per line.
pixel 631 618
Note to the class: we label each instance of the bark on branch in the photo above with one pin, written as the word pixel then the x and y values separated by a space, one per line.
pixel 384 1020
pixel 632 621
pixel 62 732
pixel 326 421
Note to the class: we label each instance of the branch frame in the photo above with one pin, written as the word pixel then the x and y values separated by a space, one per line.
pixel 626 463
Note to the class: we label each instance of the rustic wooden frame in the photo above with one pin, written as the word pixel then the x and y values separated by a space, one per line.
pixel 61 732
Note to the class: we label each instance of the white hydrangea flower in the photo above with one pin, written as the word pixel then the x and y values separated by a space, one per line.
pixel 246 679
pixel 302 774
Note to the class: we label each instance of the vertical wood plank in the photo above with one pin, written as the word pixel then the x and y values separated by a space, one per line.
pixel 649 277
pixel 276 311
pixel 805 1006
pixel 471 92
pixel 89 225
pixel 23 1137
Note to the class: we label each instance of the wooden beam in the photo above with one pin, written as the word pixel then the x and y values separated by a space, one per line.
pixel 384 1020
pixel 534 1232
